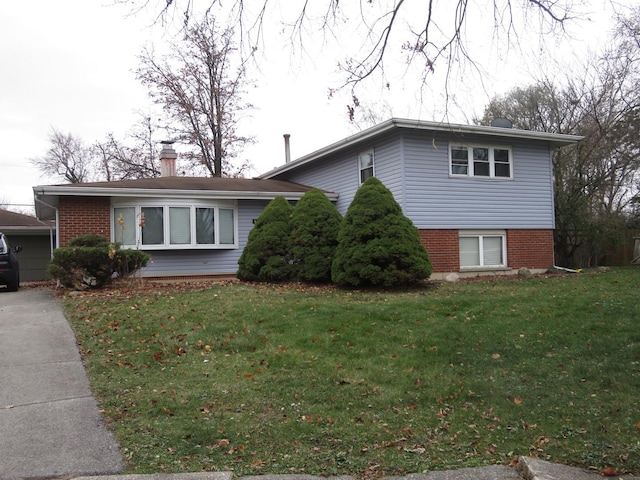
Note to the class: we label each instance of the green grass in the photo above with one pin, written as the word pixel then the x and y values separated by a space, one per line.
pixel 294 379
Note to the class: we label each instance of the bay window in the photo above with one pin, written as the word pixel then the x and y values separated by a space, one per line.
pixel 155 225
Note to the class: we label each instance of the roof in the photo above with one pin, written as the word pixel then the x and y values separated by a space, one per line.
pixel 555 140
pixel 46 196
pixel 20 223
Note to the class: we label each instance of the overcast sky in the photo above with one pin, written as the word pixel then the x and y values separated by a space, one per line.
pixel 69 64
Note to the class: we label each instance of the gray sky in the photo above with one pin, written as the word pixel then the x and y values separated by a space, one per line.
pixel 69 64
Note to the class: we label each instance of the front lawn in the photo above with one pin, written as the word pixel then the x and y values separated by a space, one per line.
pixel 294 379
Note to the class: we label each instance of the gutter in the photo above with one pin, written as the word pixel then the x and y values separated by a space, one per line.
pixel 50 227
pixel 163 193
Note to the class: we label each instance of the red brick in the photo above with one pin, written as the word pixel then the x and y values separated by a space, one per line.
pixel 80 215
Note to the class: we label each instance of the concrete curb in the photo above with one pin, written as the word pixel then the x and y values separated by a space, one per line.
pixel 527 468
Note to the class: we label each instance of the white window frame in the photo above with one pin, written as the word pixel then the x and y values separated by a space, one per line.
pixel 361 170
pixel 481 235
pixel 470 163
pixel 138 205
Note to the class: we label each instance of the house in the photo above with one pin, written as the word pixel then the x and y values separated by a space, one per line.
pixel 36 239
pixel 189 226
pixel 481 197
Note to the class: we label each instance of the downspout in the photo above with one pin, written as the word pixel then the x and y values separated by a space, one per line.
pixel 57 227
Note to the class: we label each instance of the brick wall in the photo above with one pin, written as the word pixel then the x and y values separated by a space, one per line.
pixel 79 215
pixel 443 248
pixel 530 248
pixel 525 248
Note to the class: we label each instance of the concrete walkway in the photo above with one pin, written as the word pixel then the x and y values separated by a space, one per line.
pixel 50 425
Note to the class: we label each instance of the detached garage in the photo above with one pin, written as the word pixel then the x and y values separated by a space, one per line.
pixel 36 239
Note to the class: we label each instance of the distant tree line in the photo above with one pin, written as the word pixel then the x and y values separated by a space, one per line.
pixel 596 182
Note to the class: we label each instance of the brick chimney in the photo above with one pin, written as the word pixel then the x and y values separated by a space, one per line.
pixel 168 159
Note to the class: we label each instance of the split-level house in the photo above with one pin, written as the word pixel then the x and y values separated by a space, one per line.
pixel 482 198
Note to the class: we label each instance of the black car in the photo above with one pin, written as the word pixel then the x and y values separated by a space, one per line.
pixel 9 268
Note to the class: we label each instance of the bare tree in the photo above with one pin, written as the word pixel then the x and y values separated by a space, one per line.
pixel 119 161
pixel 425 34
pixel 200 90
pixel 68 157
pixel 596 182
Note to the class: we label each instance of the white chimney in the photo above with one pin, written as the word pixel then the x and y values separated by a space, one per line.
pixel 168 159
pixel 287 148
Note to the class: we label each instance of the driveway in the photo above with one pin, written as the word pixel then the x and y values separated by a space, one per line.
pixel 50 425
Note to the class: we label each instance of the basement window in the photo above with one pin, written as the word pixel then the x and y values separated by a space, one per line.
pixel 483 249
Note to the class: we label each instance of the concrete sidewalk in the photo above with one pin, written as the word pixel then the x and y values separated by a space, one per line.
pixel 50 425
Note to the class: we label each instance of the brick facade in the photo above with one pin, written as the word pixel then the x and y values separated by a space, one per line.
pixel 525 248
pixel 444 249
pixel 79 215
pixel 530 248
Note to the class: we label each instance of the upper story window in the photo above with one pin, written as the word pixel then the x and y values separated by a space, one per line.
pixel 366 165
pixel 153 226
pixel 480 161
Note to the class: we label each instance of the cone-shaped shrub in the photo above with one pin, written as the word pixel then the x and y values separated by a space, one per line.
pixel 314 236
pixel 266 257
pixel 377 244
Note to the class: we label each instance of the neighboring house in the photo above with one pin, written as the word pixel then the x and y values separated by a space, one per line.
pixel 36 239
pixel 189 226
pixel 482 197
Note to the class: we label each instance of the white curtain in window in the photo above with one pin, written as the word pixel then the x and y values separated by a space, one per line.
pixel 124 225
pixel 180 225
pixel 469 251
pixel 227 231
pixel 492 250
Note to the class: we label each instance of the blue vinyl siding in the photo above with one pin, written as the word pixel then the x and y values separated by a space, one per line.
pixel 429 196
pixel 340 173
pixel 436 200
pixel 207 262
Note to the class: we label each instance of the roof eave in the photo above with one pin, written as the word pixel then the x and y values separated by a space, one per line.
pixel 46 196
pixel 56 190
pixel 555 140
pixel 36 229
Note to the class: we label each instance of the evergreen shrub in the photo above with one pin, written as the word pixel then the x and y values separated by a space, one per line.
pixel 315 224
pixel 266 256
pixel 377 244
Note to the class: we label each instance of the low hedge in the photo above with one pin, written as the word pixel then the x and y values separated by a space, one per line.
pixel 92 261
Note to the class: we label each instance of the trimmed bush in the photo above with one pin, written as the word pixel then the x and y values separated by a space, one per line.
pixel 266 257
pixel 377 244
pixel 315 224
pixel 92 261
pixel 89 240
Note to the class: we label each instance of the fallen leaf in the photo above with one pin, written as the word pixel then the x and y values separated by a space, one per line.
pixel 495 355
pixel 609 472
pixel 517 401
